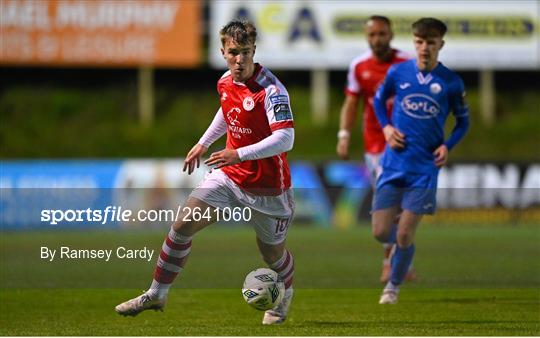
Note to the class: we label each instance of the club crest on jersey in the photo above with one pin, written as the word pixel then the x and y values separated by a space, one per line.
pixel 420 106
pixel 248 103
pixel 435 88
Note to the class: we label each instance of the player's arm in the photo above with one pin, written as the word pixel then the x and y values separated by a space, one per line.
pixel 217 128
pixel 278 142
pixel 348 112
pixel 461 114
pixel 394 137
pixel 347 120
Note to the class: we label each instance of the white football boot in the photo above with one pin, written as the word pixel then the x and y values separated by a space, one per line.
pixel 389 296
pixel 278 314
pixel 139 304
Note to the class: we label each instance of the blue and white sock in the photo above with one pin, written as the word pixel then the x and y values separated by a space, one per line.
pixel 401 261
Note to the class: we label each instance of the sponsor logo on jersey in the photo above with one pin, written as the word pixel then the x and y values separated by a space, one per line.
pixel 435 88
pixel 248 103
pixel 282 112
pixel 276 99
pixel 232 115
pixel 420 106
pixel 235 128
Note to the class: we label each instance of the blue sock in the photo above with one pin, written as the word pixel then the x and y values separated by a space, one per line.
pixel 392 237
pixel 401 261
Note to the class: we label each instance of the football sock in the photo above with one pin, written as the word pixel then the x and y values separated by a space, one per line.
pixel 170 263
pixel 390 242
pixel 285 268
pixel 401 261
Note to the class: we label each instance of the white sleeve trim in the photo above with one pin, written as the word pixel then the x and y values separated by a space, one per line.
pixel 353 85
pixel 278 142
pixel 217 128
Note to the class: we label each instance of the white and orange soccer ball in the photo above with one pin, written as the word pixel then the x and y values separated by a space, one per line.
pixel 262 289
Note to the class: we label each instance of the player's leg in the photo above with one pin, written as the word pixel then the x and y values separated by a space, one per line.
pixel 418 199
pixel 280 260
pixel 271 235
pixel 386 206
pixel 403 255
pixel 382 224
pixel 384 230
pixel 213 191
pixel 171 260
pixel 411 273
pixel 177 245
pixel 374 167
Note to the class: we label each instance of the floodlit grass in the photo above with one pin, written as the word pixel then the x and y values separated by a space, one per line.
pixel 472 281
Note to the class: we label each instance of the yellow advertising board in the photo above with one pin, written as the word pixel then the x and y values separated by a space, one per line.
pixel 100 32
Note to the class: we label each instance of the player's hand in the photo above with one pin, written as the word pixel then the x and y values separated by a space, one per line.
pixel 342 148
pixel 193 158
pixel 441 155
pixel 394 137
pixel 223 158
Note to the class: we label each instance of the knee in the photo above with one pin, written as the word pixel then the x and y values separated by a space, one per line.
pixel 379 231
pixel 404 238
pixel 380 234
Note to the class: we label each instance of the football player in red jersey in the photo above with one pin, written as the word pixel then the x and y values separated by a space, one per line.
pixel 365 74
pixel 251 172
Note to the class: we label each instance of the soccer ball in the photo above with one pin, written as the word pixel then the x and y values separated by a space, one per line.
pixel 263 289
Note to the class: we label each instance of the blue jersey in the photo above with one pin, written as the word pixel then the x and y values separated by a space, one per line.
pixel 422 103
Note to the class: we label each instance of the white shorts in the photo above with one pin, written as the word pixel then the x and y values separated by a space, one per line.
pixel 374 166
pixel 270 215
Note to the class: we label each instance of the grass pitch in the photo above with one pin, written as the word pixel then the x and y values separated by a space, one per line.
pixel 473 280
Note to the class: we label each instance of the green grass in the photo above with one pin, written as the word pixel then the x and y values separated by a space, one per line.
pixel 474 280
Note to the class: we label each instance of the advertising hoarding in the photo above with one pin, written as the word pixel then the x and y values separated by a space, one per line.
pixel 100 33
pixel 329 34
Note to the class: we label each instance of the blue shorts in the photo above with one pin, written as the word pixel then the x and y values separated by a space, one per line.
pixel 410 191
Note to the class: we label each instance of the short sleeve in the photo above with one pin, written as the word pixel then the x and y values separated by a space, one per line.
pixel 353 86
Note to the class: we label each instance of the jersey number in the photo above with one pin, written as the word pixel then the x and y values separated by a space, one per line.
pixel 282 224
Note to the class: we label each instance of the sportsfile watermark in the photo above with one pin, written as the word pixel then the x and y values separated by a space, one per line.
pixel 120 214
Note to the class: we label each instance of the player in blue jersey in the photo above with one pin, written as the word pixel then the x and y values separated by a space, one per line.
pixel 425 92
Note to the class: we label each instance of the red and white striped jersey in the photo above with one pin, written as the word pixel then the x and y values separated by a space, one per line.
pixel 365 75
pixel 252 111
